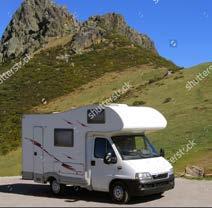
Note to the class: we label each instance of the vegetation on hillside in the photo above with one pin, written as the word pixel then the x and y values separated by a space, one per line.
pixel 188 112
pixel 56 72
pixel 11 163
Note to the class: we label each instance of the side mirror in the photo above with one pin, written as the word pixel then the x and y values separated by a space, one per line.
pixel 162 152
pixel 109 159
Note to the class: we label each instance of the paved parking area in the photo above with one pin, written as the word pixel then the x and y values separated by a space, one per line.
pixel 16 192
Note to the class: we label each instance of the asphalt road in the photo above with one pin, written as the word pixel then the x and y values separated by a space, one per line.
pixel 16 192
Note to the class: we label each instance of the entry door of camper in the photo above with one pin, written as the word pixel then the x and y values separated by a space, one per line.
pixel 101 173
pixel 38 149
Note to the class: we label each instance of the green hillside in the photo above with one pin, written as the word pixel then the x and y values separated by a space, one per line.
pixel 188 112
pixel 48 76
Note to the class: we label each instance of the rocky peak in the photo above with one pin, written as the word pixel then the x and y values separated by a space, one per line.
pixel 109 22
pixel 96 28
pixel 116 22
pixel 32 24
pixel 36 21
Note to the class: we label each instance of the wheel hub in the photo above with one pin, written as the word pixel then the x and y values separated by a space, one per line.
pixel 118 192
pixel 55 187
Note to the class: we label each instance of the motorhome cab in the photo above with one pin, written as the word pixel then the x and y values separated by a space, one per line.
pixel 97 149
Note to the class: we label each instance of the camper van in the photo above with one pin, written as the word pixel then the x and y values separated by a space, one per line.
pixel 97 148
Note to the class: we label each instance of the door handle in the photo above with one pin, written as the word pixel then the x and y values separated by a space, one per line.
pixel 93 163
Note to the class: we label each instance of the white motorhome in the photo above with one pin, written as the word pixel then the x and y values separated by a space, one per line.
pixel 97 149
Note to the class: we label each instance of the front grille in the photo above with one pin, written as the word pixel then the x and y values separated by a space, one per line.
pixel 154 185
pixel 160 176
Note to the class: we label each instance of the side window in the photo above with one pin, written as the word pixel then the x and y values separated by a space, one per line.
pixel 101 147
pixel 64 137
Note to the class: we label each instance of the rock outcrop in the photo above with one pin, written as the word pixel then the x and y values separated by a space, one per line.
pixel 96 28
pixel 194 171
pixel 32 24
pixel 36 21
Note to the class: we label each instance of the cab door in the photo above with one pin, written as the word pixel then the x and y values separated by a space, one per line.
pixel 101 173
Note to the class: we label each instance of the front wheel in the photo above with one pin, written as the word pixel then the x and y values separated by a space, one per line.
pixel 56 187
pixel 119 193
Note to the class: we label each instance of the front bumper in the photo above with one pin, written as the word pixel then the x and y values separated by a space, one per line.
pixel 138 188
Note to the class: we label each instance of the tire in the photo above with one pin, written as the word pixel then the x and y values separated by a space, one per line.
pixel 77 188
pixel 57 188
pixel 119 193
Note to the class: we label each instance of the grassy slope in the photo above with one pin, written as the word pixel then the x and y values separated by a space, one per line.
pixel 47 77
pixel 11 163
pixel 188 113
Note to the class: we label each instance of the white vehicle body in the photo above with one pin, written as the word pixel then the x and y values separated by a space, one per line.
pixel 77 164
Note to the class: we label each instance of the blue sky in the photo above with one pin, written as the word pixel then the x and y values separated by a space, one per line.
pixel 181 29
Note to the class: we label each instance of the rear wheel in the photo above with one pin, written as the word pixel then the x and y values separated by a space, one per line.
pixel 56 187
pixel 119 193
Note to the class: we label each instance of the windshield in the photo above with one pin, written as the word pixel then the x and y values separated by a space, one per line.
pixel 133 147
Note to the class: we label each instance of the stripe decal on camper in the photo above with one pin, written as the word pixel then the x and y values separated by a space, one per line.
pixel 68 122
pixel 69 167
pixel 69 157
pixel 82 124
pixel 75 123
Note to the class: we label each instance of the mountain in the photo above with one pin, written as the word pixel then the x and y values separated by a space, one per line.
pixel 32 25
pixel 36 22
pixel 96 28
pixel 77 63
pixel 65 54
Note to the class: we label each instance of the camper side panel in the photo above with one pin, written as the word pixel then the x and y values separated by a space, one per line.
pixel 27 149
pixel 66 162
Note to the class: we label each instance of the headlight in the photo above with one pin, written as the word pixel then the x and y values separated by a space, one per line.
pixel 143 176
pixel 171 171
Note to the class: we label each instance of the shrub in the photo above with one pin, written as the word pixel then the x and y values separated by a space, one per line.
pixel 138 102
pixel 178 77
pixel 167 100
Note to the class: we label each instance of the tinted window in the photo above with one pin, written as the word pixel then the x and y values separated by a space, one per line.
pixel 96 116
pixel 64 137
pixel 102 146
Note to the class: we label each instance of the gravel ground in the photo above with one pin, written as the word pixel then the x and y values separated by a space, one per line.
pixel 16 192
